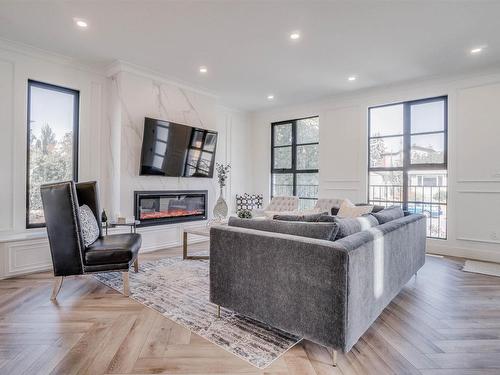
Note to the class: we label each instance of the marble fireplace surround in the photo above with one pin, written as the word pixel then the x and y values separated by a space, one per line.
pixel 132 96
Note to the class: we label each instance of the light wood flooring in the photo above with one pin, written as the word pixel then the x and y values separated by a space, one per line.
pixel 445 322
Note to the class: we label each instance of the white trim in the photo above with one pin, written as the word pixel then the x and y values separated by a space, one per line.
pixel 342 188
pixel 455 251
pixel 118 66
pixel 48 56
pixel 478 191
pixel 482 240
pixel 478 180
pixel 341 180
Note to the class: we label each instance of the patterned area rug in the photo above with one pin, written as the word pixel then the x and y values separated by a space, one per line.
pixel 179 290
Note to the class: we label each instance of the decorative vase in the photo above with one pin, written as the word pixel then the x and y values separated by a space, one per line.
pixel 220 209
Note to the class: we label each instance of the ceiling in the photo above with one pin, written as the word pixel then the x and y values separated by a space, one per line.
pixel 246 45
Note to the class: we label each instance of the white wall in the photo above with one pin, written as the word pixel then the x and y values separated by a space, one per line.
pixel 474 154
pixel 113 105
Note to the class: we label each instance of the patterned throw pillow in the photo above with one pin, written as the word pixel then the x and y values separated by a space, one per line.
pixel 88 223
pixel 348 209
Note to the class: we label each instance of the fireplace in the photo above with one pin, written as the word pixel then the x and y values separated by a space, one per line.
pixel 170 206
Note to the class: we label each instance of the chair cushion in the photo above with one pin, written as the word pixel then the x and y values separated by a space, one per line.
pixel 113 249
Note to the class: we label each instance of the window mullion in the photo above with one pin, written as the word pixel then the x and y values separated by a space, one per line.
pixel 406 151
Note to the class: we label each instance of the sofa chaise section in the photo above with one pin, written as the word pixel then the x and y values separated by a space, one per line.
pixel 329 292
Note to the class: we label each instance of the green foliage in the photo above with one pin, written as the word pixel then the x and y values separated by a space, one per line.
pixel 244 214
pixel 51 160
pixel 222 173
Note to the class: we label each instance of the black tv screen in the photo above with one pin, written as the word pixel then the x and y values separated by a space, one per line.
pixel 175 150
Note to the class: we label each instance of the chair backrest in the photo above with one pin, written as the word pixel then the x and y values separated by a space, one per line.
pixel 280 204
pixel 60 207
pixel 88 193
pixel 326 204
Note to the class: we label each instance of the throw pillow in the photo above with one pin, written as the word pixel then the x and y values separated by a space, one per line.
pixel 312 218
pixel 351 225
pixel 88 223
pixel 348 209
pixel 389 214
pixel 322 231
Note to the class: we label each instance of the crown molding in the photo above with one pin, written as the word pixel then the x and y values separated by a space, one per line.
pixel 119 66
pixel 48 56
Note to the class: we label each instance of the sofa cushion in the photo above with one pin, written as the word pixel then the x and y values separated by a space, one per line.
pixel 389 214
pixel 311 218
pixel 322 231
pixel 351 225
pixel 113 249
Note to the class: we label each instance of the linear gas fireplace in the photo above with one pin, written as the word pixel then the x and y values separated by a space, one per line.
pixel 170 206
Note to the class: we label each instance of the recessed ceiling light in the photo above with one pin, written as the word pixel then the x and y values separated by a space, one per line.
pixel 81 23
pixel 295 35
pixel 351 78
pixel 203 69
pixel 477 50
pixel 270 97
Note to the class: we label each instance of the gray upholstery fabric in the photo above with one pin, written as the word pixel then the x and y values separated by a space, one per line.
pixel 376 208
pixel 324 231
pixel 328 292
pixel 389 214
pixel 381 261
pixel 351 225
pixel 311 218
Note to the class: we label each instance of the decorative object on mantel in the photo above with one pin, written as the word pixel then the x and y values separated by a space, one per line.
pixel 249 201
pixel 244 214
pixel 220 208
pixel 180 291
pixel 104 217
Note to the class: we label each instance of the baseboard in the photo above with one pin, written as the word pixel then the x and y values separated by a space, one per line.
pixel 463 252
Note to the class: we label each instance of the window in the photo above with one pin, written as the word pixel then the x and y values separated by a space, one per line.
pixel 295 159
pixel 52 143
pixel 408 159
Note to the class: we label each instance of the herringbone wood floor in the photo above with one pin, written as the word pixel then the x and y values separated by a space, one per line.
pixel 444 322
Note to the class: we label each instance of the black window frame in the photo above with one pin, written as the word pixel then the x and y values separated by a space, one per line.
pixel 76 127
pixel 408 166
pixel 293 169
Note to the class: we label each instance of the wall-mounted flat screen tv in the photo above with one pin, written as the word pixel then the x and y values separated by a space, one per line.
pixel 176 150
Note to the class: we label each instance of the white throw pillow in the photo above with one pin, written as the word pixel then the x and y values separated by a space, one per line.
pixel 88 223
pixel 348 209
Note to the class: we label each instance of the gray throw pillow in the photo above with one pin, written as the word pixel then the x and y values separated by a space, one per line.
pixel 322 231
pixel 88 224
pixel 389 214
pixel 351 225
pixel 311 218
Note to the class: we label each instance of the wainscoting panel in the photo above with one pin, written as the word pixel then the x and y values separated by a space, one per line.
pixel 27 256
pixel 477 134
pixel 477 216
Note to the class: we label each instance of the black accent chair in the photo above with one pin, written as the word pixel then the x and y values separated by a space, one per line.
pixel 117 252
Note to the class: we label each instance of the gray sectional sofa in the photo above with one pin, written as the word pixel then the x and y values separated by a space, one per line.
pixel 327 291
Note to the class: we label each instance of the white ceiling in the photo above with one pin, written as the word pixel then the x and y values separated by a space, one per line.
pixel 246 44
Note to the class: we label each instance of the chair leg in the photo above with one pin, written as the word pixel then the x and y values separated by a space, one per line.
pixel 136 265
pixel 57 287
pixel 126 285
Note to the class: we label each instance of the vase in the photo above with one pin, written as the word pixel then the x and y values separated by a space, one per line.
pixel 220 209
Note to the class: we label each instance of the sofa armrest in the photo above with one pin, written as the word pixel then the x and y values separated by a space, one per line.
pixel 293 283
pixel 381 260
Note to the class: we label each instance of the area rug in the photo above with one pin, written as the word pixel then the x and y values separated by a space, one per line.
pixel 180 291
